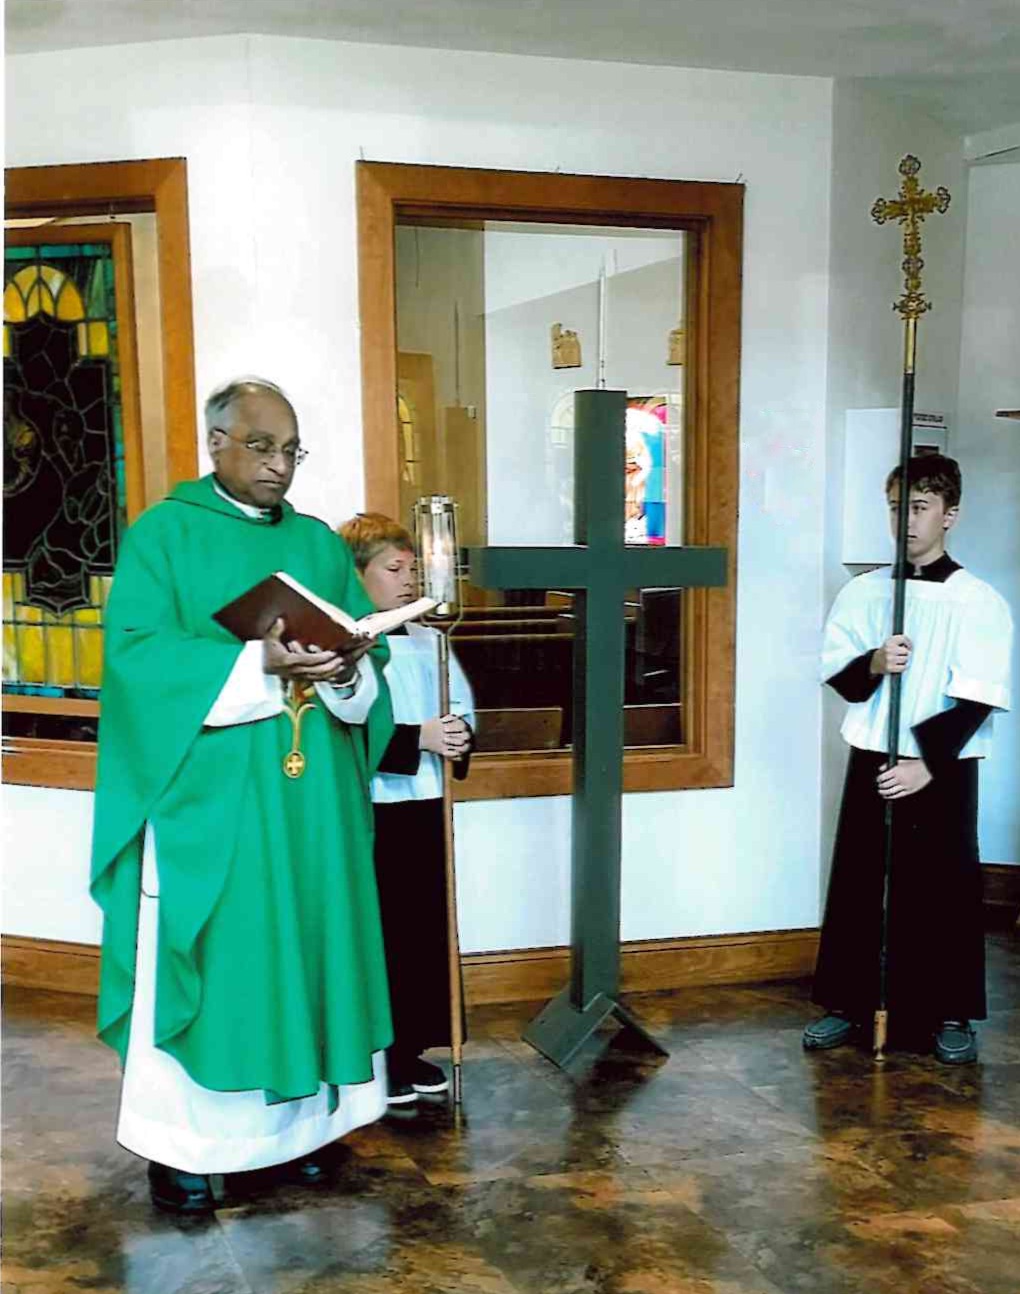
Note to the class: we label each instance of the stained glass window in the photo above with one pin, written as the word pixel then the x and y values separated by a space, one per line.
pixel 64 472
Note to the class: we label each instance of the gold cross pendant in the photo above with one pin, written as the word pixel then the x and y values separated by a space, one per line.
pixel 296 707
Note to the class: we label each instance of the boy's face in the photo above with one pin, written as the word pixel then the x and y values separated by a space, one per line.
pixel 927 524
pixel 391 578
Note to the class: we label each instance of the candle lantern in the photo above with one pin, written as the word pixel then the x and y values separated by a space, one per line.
pixel 435 527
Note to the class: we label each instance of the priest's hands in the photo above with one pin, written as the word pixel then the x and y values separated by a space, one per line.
pixel 893 656
pixel 449 736
pixel 908 777
pixel 291 660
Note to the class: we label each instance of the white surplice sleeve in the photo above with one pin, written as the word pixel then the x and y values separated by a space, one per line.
pixel 249 692
pixel 352 709
pixel 979 663
pixel 847 629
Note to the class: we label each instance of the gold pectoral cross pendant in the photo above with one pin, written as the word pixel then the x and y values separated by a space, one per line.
pixel 296 707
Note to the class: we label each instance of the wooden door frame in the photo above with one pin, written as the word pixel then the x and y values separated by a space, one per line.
pixel 712 214
pixel 158 185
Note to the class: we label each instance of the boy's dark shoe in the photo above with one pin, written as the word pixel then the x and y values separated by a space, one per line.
pixel 398 1090
pixel 956 1043
pixel 830 1031
pixel 174 1191
pixel 426 1078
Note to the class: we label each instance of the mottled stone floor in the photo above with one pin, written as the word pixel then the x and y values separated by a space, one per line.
pixel 737 1166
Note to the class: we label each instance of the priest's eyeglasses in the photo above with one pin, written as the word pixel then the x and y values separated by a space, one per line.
pixel 266 448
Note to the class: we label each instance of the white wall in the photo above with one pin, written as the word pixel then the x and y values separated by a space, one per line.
pixel 271 129
pixel 531 471
pixel 870 137
pixel 987 539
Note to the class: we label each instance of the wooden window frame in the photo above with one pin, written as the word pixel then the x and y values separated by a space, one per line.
pixel 712 216
pixel 158 185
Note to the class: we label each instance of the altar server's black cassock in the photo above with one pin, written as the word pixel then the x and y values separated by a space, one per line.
pixel 958 674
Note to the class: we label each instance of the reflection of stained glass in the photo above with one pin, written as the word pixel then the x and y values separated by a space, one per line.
pixel 653 439
pixel 64 496
pixel 408 443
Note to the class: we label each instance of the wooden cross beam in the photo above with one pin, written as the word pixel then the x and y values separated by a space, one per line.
pixel 601 568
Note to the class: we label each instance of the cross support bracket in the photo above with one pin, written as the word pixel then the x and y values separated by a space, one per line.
pixel 560 1029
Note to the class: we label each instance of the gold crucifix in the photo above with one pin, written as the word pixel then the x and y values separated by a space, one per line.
pixel 296 707
pixel 911 207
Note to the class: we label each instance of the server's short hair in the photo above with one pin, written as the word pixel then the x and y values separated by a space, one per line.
pixel 368 533
pixel 931 474
pixel 223 397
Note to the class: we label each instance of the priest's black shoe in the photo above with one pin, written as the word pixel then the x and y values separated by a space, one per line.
pixel 174 1191
pixel 956 1043
pixel 831 1030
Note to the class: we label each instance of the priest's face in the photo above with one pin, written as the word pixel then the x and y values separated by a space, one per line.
pixel 391 578
pixel 256 448
pixel 927 525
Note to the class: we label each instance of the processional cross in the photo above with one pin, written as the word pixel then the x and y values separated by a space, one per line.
pixel 600 568
pixel 910 208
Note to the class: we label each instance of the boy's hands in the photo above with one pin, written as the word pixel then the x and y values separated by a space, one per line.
pixel 907 778
pixel 449 737
pixel 893 656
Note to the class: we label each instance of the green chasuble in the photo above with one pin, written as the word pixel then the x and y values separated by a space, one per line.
pixel 270 971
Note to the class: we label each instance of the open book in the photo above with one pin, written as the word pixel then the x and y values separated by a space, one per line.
pixel 310 620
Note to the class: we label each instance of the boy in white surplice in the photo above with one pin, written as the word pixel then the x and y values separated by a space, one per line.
pixel 407 798
pixel 954 658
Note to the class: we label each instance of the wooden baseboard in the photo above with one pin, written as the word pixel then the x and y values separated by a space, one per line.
pixel 50 963
pixel 1001 895
pixel 532 974
pixel 511 976
pixel 1001 885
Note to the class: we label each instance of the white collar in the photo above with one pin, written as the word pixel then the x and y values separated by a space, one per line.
pixel 249 509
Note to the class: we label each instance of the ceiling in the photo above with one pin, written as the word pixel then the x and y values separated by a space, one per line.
pixel 958 60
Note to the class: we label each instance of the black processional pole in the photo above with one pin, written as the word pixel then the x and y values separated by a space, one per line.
pixel 911 207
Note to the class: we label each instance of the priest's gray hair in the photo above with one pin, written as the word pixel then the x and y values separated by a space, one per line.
pixel 224 396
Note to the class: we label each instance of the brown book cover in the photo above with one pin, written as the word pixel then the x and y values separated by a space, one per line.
pixel 310 620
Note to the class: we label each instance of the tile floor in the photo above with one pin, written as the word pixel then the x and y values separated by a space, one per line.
pixel 739 1165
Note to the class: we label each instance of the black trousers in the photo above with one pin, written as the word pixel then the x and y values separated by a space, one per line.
pixel 410 871
pixel 936 944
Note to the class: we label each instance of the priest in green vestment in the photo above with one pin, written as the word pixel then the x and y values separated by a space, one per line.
pixel 243 979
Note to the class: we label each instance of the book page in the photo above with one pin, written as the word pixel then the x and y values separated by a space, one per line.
pixel 376 622
pixel 381 622
pixel 335 613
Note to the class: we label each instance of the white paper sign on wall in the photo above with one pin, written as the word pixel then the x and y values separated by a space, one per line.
pixel 871 449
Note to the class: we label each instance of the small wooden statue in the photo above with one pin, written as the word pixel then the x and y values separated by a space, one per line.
pixel 566 348
pixel 677 346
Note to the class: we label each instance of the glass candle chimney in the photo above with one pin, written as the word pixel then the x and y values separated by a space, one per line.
pixel 435 528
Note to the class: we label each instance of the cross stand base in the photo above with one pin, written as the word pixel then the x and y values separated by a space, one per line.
pixel 561 1029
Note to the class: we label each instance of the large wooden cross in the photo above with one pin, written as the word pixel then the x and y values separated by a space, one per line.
pixel 601 568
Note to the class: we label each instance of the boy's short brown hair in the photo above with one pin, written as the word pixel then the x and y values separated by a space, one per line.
pixel 931 474
pixel 368 533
